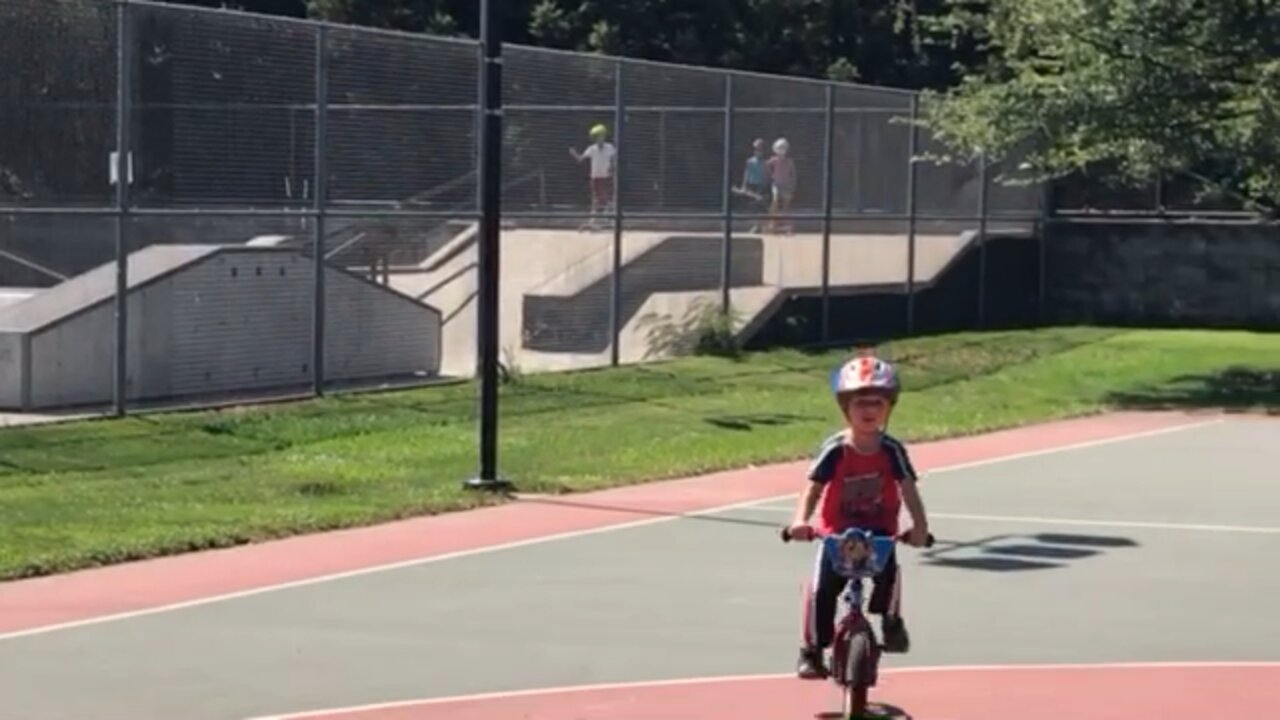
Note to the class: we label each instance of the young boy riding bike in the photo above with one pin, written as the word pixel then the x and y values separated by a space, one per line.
pixel 860 478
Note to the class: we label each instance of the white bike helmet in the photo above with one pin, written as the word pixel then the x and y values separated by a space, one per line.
pixel 866 372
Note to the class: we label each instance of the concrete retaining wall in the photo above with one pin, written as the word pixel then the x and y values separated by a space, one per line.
pixel 1160 273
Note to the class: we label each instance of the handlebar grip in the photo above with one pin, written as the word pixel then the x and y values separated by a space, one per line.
pixel 928 542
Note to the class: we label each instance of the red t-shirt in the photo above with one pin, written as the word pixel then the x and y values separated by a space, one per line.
pixel 860 490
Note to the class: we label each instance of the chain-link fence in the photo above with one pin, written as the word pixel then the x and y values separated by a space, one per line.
pixel 300 203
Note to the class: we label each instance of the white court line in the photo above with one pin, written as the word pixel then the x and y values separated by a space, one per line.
pixel 771 508
pixel 552 538
pixel 1032 520
pixel 723 679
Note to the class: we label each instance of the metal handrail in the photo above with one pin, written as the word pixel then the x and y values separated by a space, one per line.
pixel 33 265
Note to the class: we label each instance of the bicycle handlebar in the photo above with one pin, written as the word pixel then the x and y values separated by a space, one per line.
pixel 785 534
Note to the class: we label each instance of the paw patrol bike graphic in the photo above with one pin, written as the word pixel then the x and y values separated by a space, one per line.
pixel 855 654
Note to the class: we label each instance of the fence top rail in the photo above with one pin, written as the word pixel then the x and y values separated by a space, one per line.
pixel 303 22
pixel 469 42
pixel 511 107
pixel 749 74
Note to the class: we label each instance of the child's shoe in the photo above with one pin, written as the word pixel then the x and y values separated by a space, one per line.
pixel 810 665
pixel 896 639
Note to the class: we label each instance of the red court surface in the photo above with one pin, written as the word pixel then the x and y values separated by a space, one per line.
pixel 354 624
pixel 1102 692
pixel 75 598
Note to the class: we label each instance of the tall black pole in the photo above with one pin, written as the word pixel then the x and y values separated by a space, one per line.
pixel 490 177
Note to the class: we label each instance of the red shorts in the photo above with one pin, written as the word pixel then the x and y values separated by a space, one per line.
pixel 602 190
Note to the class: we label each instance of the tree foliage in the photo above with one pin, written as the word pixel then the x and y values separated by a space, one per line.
pixel 873 41
pixel 1143 88
pixel 37 162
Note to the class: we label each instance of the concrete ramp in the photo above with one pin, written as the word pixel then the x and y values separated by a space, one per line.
pixel 439 275
pixel 570 312
pixel 668 323
pixel 530 258
pixel 371 245
pixel 97 286
pixel 858 262
pixel 556 293
pixel 447 280
pixel 208 320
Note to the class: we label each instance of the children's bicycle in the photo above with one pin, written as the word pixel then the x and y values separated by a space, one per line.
pixel 855 652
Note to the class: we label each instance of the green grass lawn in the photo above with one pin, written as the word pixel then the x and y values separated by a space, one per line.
pixel 86 493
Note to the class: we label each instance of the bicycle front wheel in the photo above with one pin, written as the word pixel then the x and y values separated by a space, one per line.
pixel 859 674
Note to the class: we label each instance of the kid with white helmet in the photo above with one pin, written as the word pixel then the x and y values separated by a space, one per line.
pixel 782 174
pixel 860 478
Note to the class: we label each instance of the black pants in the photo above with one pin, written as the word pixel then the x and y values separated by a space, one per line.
pixel 822 595
pixel 753 206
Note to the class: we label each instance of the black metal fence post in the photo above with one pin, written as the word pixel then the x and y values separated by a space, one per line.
pixel 726 200
pixel 828 152
pixel 913 148
pixel 320 201
pixel 615 278
pixel 982 240
pixel 124 177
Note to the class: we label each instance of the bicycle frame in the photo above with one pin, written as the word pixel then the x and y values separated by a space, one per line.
pixel 854 622
pixel 851 623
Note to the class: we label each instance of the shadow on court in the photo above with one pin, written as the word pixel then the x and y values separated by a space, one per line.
pixel 874 710
pixel 996 553
pixel 1012 553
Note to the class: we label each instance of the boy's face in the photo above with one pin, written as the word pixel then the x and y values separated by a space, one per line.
pixel 866 412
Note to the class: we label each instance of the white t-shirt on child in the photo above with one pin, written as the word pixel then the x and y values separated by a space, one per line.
pixel 601 159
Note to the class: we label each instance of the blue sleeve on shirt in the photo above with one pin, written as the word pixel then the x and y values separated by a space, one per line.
pixel 827 459
pixel 899 459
